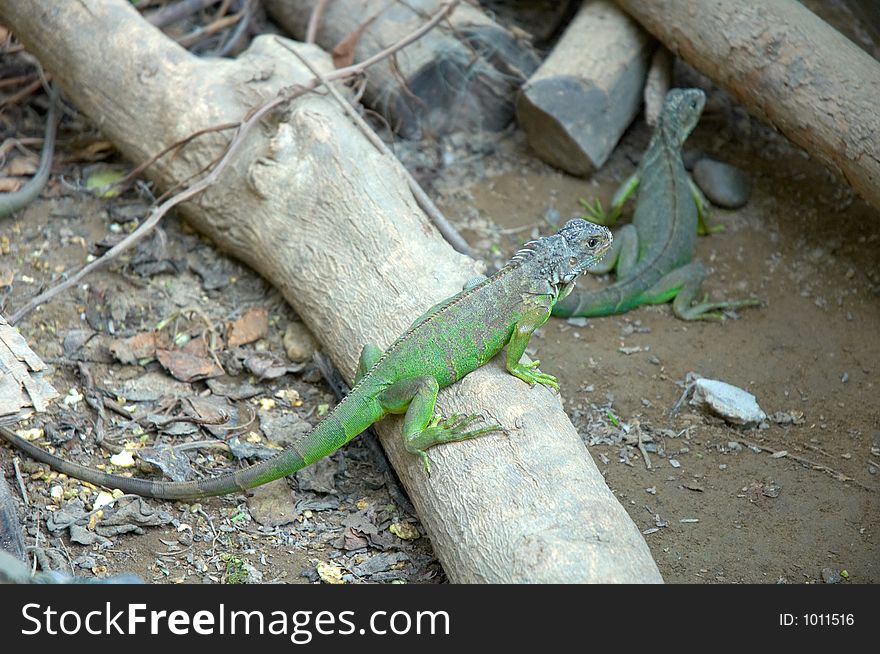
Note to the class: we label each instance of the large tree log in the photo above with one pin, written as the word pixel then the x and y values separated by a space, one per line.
pixel 789 68
pixel 461 76
pixel 577 105
pixel 313 207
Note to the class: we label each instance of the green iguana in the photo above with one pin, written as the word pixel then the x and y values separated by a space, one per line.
pixel 452 339
pixel 653 255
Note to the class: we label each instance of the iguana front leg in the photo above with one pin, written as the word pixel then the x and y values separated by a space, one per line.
pixel 516 347
pixel 595 213
pixel 703 226
pixel 417 397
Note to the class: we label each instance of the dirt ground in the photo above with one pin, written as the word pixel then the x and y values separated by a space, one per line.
pixel 717 503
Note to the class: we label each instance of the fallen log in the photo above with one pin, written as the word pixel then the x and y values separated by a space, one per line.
pixel 789 68
pixel 462 76
pixel 312 206
pixel 577 105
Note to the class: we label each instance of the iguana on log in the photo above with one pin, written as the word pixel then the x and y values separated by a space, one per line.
pixel 455 337
pixel 652 256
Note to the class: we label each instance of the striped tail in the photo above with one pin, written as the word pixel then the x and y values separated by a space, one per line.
pixel 335 430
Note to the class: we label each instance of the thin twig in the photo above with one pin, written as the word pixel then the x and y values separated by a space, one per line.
pixel 315 20
pixel 30 89
pixel 18 478
pixel 239 32
pixel 839 476
pixel 251 118
pixel 644 450
pixel 199 35
pixel 425 203
pixel 178 11
pixel 15 81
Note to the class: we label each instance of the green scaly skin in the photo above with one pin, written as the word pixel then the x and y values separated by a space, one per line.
pixel 652 256
pixel 454 338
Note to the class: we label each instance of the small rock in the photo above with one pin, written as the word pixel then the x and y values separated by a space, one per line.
pixel 122 459
pixel 727 401
pixel 733 446
pixel 104 498
pixel 577 321
pixel 674 463
pixel 299 343
pixel 830 576
pixel 404 530
pixel 725 185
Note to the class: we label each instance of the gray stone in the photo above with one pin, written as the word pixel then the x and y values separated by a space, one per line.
pixel 727 401
pixel 725 185
pixel 299 343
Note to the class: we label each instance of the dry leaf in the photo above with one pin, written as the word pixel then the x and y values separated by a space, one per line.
pixel 9 184
pixel 21 167
pixel 186 367
pixel 343 52
pixel 133 349
pixel 252 326
pixel 94 151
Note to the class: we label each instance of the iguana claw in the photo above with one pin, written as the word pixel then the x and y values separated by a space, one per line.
pixel 529 373
pixel 447 430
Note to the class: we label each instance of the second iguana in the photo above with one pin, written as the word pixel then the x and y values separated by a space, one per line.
pixel 653 256
pixel 452 339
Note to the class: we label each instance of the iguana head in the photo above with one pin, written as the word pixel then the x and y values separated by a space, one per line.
pixel 681 112
pixel 557 260
pixel 582 245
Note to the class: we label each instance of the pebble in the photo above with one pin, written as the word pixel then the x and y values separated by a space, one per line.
pixel 122 459
pixel 725 185
pixel 299 343
pixel 830 576
pixel 727 401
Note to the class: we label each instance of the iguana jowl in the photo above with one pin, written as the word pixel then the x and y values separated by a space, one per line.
pixel 454 338
pixel 652 256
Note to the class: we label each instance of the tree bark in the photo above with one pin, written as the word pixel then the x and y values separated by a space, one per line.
pixel 314 208
pixel 462 76
pixel 789 68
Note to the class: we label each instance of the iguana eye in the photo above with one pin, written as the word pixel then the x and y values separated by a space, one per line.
pixel 592 243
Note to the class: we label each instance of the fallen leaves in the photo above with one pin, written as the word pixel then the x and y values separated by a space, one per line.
pixel 188 367
pixel 252 326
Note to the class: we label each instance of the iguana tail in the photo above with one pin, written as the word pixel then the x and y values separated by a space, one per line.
pixel 337 428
